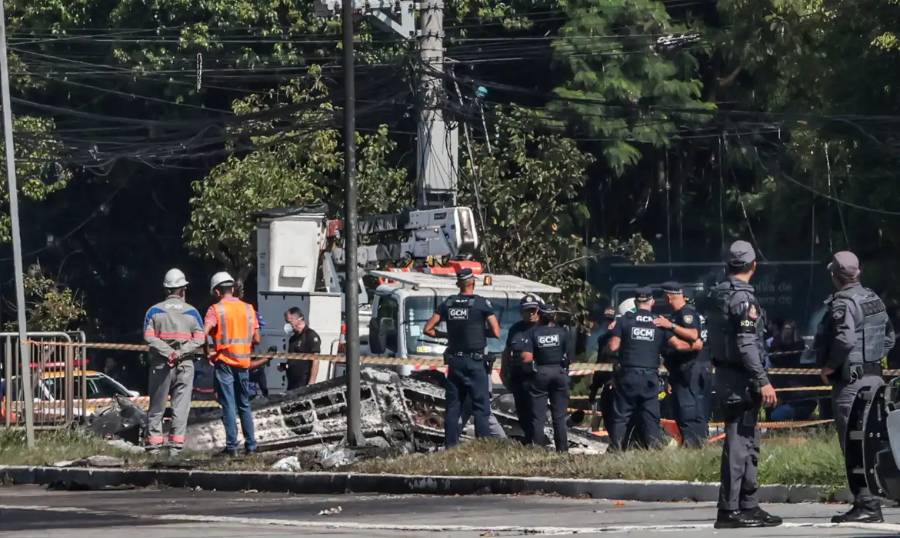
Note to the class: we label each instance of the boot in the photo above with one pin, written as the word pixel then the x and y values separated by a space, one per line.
pixel 737 519
pixel 860 514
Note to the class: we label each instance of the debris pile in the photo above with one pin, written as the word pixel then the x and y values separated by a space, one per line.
pixel 399 414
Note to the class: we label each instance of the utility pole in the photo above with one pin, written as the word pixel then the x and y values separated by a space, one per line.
pixel 438 145
pixel 25 372
pixel 351 290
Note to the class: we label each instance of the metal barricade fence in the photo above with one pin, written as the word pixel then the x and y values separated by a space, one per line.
pixel 58 383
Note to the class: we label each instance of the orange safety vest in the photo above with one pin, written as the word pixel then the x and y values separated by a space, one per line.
pixel 234 332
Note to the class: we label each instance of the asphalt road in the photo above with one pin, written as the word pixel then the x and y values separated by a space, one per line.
pixel 31 511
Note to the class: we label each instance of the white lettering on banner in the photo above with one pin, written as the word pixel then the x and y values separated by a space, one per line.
pixel 645 334
pixel 458 314
pixel 550 340
pixel 644 319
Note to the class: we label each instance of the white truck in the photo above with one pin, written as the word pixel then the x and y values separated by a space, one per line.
pixel 300 263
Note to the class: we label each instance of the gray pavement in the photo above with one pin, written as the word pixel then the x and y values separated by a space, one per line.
pixel 33 511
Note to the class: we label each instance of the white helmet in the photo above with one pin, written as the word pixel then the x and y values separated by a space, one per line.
pixel 222 277
pixel 174 279
pixel 626 306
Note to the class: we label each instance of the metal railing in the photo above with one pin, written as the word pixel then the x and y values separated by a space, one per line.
pixel 58 383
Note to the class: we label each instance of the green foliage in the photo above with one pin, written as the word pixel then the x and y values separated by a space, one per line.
pixel 38 169
pixel 49 305
pixel 620 90
pixel 291 167
pixel 527 193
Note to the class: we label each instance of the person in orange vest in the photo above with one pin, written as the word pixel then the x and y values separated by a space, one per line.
pixel 234 329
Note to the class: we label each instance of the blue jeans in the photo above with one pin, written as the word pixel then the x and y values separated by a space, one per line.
pixel 233 393
pixel 466 377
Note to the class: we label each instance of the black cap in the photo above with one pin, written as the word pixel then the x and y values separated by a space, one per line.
pixel 465 274
pixel 643 293
pixel 547 308
pixel 672 287
pixel 530 302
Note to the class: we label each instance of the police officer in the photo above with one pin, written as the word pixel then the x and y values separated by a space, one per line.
pixel 736 345
pixel 602 332
pixel 470 320
pixel 513 372
pixel 689 372
pixel 545 350
pixel 639 343
pixel 854 336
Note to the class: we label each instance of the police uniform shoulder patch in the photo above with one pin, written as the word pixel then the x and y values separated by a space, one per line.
pixel 487 302
pixel 688 318
pixel 753 312
pixel 837 314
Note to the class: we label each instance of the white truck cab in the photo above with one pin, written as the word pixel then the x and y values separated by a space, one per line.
pixel 405 301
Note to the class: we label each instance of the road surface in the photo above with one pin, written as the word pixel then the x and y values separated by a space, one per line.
pixel 31 511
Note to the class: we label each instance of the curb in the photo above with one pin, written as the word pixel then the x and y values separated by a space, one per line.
pixel 338 483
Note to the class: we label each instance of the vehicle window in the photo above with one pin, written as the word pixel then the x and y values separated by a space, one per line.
pixel 418 311
pixel 387 322
pixel 103 387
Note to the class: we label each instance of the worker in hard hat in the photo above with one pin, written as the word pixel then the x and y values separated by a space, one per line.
pixel 234 328
pixel 174 331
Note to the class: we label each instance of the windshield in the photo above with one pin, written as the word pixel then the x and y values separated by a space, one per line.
pixel 420 309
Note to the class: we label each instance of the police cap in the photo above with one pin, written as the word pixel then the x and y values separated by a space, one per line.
pixel 741 253
pixel 673 288
pixel 844 264
pixel 547 308
pixel 643 294
pixel 465 274
pixel 530 302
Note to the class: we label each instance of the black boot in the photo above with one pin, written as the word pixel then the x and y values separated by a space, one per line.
pixel 860 514
pixel 737 519
pixel 768 520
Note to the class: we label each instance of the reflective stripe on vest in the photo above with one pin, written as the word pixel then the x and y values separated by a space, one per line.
pixel 234 336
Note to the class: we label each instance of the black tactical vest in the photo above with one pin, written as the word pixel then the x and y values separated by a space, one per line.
pixel 465 324
pixel 549 344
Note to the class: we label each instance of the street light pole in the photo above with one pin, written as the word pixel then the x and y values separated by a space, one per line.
pixel 351 285
pixel 25 373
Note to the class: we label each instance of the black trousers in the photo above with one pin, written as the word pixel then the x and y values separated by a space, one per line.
pixel 550 384
pixel 518 384
pixel 637 394
pixel 690 385
pixel 466 377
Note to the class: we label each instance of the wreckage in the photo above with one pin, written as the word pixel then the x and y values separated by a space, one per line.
pixel 405 414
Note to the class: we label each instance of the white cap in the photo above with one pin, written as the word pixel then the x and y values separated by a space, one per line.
pixel 626 306
pixel 222 277
pixel 174 279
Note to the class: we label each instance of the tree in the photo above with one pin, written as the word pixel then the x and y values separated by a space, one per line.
pixel 49 305
pixel 527 192
pixel 621 89
pixel 38 165
pixel 299 165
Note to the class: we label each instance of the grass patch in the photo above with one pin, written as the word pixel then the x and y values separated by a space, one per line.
pixel 811 459
pixel 54 446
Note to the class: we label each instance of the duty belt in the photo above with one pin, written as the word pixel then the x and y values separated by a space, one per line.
pixel 476 355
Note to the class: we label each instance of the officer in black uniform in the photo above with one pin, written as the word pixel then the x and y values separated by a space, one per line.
pixel 545 350
pixel 736 345
pixel 689 372
pixel 513 372
pixel 470 320
pixel 639 343
pixel 854 336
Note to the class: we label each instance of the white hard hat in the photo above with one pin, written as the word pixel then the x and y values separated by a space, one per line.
pixel 626 306
pixel 222 277
pixel 174 279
